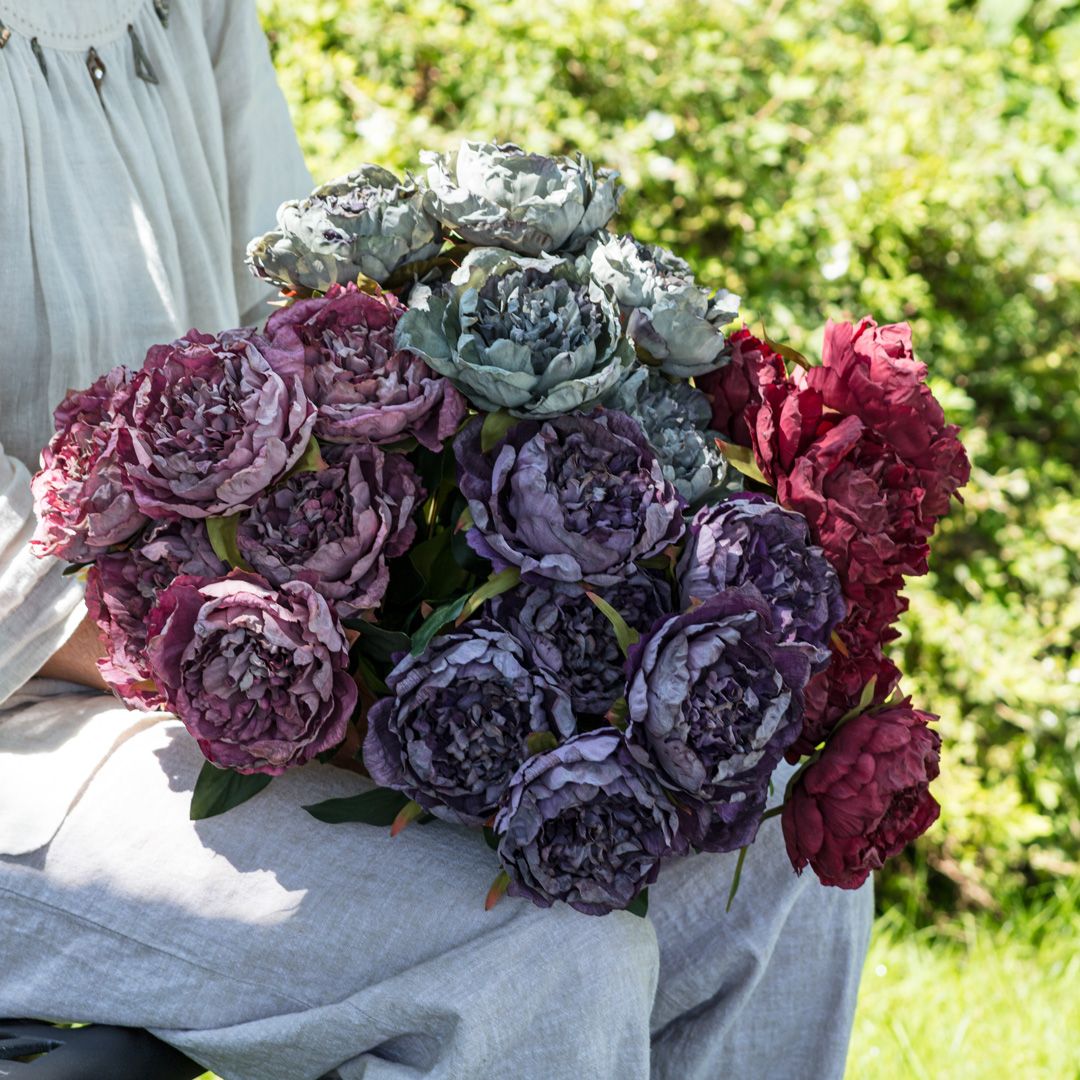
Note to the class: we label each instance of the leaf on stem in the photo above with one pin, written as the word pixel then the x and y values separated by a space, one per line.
pixel 378 807
pixel 737 878
pixel 742 459
pixel 494 429
pixel 218 790
pixel 625 635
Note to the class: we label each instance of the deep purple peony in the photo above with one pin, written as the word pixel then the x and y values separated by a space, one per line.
pixel 457 723
pixel 213 424
pixel 336 528
pixel 342 347
pixel 716 698
pixel 575 498
pixel 866 798
pixel 121 588
pixel 260 677
pixel 748 540
pixel 82 495
pixel 573 637
pixel 586 823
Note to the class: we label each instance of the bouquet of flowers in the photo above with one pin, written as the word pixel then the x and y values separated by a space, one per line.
pixel 510 505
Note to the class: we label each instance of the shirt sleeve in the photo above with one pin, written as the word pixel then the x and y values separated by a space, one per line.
pixel 39 607
pixel 265 163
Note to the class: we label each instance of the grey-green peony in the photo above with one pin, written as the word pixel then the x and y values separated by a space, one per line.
pixel 368 222
pixel 539 337
pixel 672 321
pixel 675 418
pixel 498 195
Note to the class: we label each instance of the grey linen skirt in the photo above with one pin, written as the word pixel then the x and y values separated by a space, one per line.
pixel 270 946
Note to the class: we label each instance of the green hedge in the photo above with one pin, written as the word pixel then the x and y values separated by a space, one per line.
pixel 914 159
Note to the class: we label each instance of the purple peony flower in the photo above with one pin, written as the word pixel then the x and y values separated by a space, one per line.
pixel 456 726
pixel 260 677
pixel 342 346
pixel 586 823
pixel 750 540
pixel 716 699
pixel 570 634
pixel 213 424
pixel 336 528
pixel 122 587
pixel 575 498
pixel 82 495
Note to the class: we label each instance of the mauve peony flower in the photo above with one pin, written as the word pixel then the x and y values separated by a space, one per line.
pixel 865 798
pixel 716 699
pixel 457 723
pixel 342 347
pixel 570 634
pixel 499 195
pixel 121 588
pixel 749 540
pixel 213 424
pixel 538 336
pixel 672 321
pixel 82 495
pixel 737 385
pixel 575 498
pixel 368 222
pixel 336 528
pixel 586 823
pixel 260 677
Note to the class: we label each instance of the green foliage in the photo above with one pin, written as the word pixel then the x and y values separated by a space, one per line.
pixel 916 159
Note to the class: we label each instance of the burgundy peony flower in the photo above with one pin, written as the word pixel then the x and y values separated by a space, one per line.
pixel 214 423
pixel 365 389
pixel 122 587
pixel 738 384
pixel 865 798
pixel 336 528
pixel 260 677
pixel 82 495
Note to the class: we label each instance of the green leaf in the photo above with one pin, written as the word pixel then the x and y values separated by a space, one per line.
pixel 539 741
pixel 311 460
pixel 435 622
pixel 222 533
pixel 737 877
pixel 434 561
pixel 624 635
pixel 402 446
pixel 378 807
pixel 496 584
pixel 616 715
pixel 370 677
pixel 408 813
pixel 218 790
pixel 491 838
pixel 742 459
pixel 640 904
pixel 788 353
pixel 496 425
pixel 378 642
pixel 497 890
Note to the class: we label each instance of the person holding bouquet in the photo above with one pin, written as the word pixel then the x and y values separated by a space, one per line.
pixel 142 143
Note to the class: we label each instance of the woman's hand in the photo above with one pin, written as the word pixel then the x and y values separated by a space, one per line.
pixel 75 660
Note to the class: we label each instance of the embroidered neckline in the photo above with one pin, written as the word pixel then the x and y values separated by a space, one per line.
pixel 113 21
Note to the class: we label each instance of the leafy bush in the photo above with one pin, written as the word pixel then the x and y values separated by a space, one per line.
pixel 914 159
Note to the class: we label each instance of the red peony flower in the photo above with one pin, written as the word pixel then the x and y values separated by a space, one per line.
pixel 865 798
pixel 738 384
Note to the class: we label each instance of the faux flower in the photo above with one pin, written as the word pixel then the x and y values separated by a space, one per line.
pixel 122 587
pixel 368 222
pixel 748 540
pixel 716 698
pixel 342 347
pixel 736 386
pixel 586 823
pixel 573 638
pixel 672 321
pixel 500 196
pixel 260 677
pixel 213 425
pixel 576 498
pixel 458 719
pixel 866 798
pixel 82 495
pixel 536 336
pixel 336 528
pixel 675 419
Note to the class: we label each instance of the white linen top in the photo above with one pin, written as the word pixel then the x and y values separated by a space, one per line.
pixel 126 208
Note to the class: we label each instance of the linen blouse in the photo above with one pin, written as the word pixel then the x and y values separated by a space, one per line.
pixel 142 144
